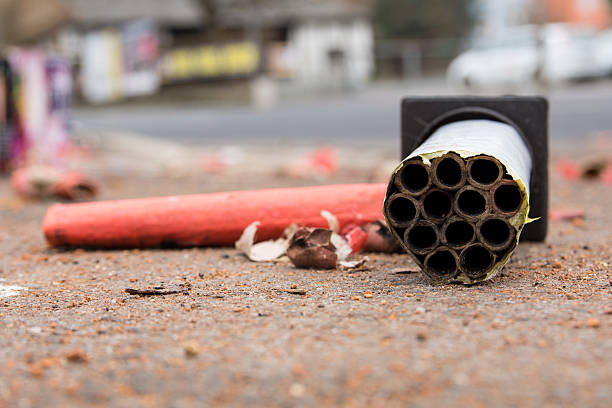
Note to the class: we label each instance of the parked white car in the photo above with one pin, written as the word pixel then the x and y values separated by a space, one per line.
pixel 511 59
pixel 552 53
pixel 569 53
pixel 603 52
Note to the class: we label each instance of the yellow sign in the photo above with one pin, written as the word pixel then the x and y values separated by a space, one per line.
pixel 212 61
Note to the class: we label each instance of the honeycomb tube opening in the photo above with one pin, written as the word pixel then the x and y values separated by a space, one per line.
pixel 402 210
pixel 496 233
pixel 437 205
pixel 507 197
pixel 442 263
pixel 484 171
pixel 449 172
pixel 422 237
pixel 471 203
pixel 414 177
pixel 476 261
pixel 458 233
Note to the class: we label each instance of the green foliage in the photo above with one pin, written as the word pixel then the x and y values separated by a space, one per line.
pixel 422 18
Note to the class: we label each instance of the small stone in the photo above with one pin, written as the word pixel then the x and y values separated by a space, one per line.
pixel 368 295
pixel 578 222
pixel 297 390
pixel 77 356
pixel 593 323
pixel 36 371
pixel 191 350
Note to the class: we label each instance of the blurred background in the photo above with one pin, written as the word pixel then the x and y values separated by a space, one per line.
pixel 154 76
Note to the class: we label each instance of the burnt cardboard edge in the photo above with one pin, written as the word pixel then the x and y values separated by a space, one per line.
pixel 421 116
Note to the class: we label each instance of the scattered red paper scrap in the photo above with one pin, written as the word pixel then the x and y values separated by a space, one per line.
pixel 356 239
pixel 606 175
pixel 568 170
pixel 565 215
pixel 322 162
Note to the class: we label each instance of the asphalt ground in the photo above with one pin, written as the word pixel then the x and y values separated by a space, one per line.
pixel 239 333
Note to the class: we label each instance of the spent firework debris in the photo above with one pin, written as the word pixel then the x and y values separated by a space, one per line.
pixel 594 170
pixel 43 182
pixel 459 202
pixel 303 246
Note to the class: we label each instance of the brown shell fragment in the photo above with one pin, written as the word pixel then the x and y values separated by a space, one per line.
pixel 312 248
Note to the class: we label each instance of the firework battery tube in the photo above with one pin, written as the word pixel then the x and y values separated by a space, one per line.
pixel 471 180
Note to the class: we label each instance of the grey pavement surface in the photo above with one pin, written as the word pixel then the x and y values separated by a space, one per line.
pixel 366 117
pixel 271 335
pixel 268 334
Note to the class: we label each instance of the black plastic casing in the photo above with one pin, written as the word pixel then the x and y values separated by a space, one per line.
pixel 421 116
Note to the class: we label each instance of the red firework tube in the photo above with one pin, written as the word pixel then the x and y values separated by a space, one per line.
pixel 208 219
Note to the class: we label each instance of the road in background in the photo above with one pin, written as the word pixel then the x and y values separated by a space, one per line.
pixel 367 117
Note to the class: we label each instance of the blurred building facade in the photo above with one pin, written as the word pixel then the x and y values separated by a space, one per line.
pixel 314 43
pixel 595 13
pixel 496 16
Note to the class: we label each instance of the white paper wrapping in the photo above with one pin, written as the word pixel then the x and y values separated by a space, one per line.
pixel 473 137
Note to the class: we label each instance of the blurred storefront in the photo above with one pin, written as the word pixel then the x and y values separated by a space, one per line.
pixel 229 60
pixel 118 62
pixel 133 48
